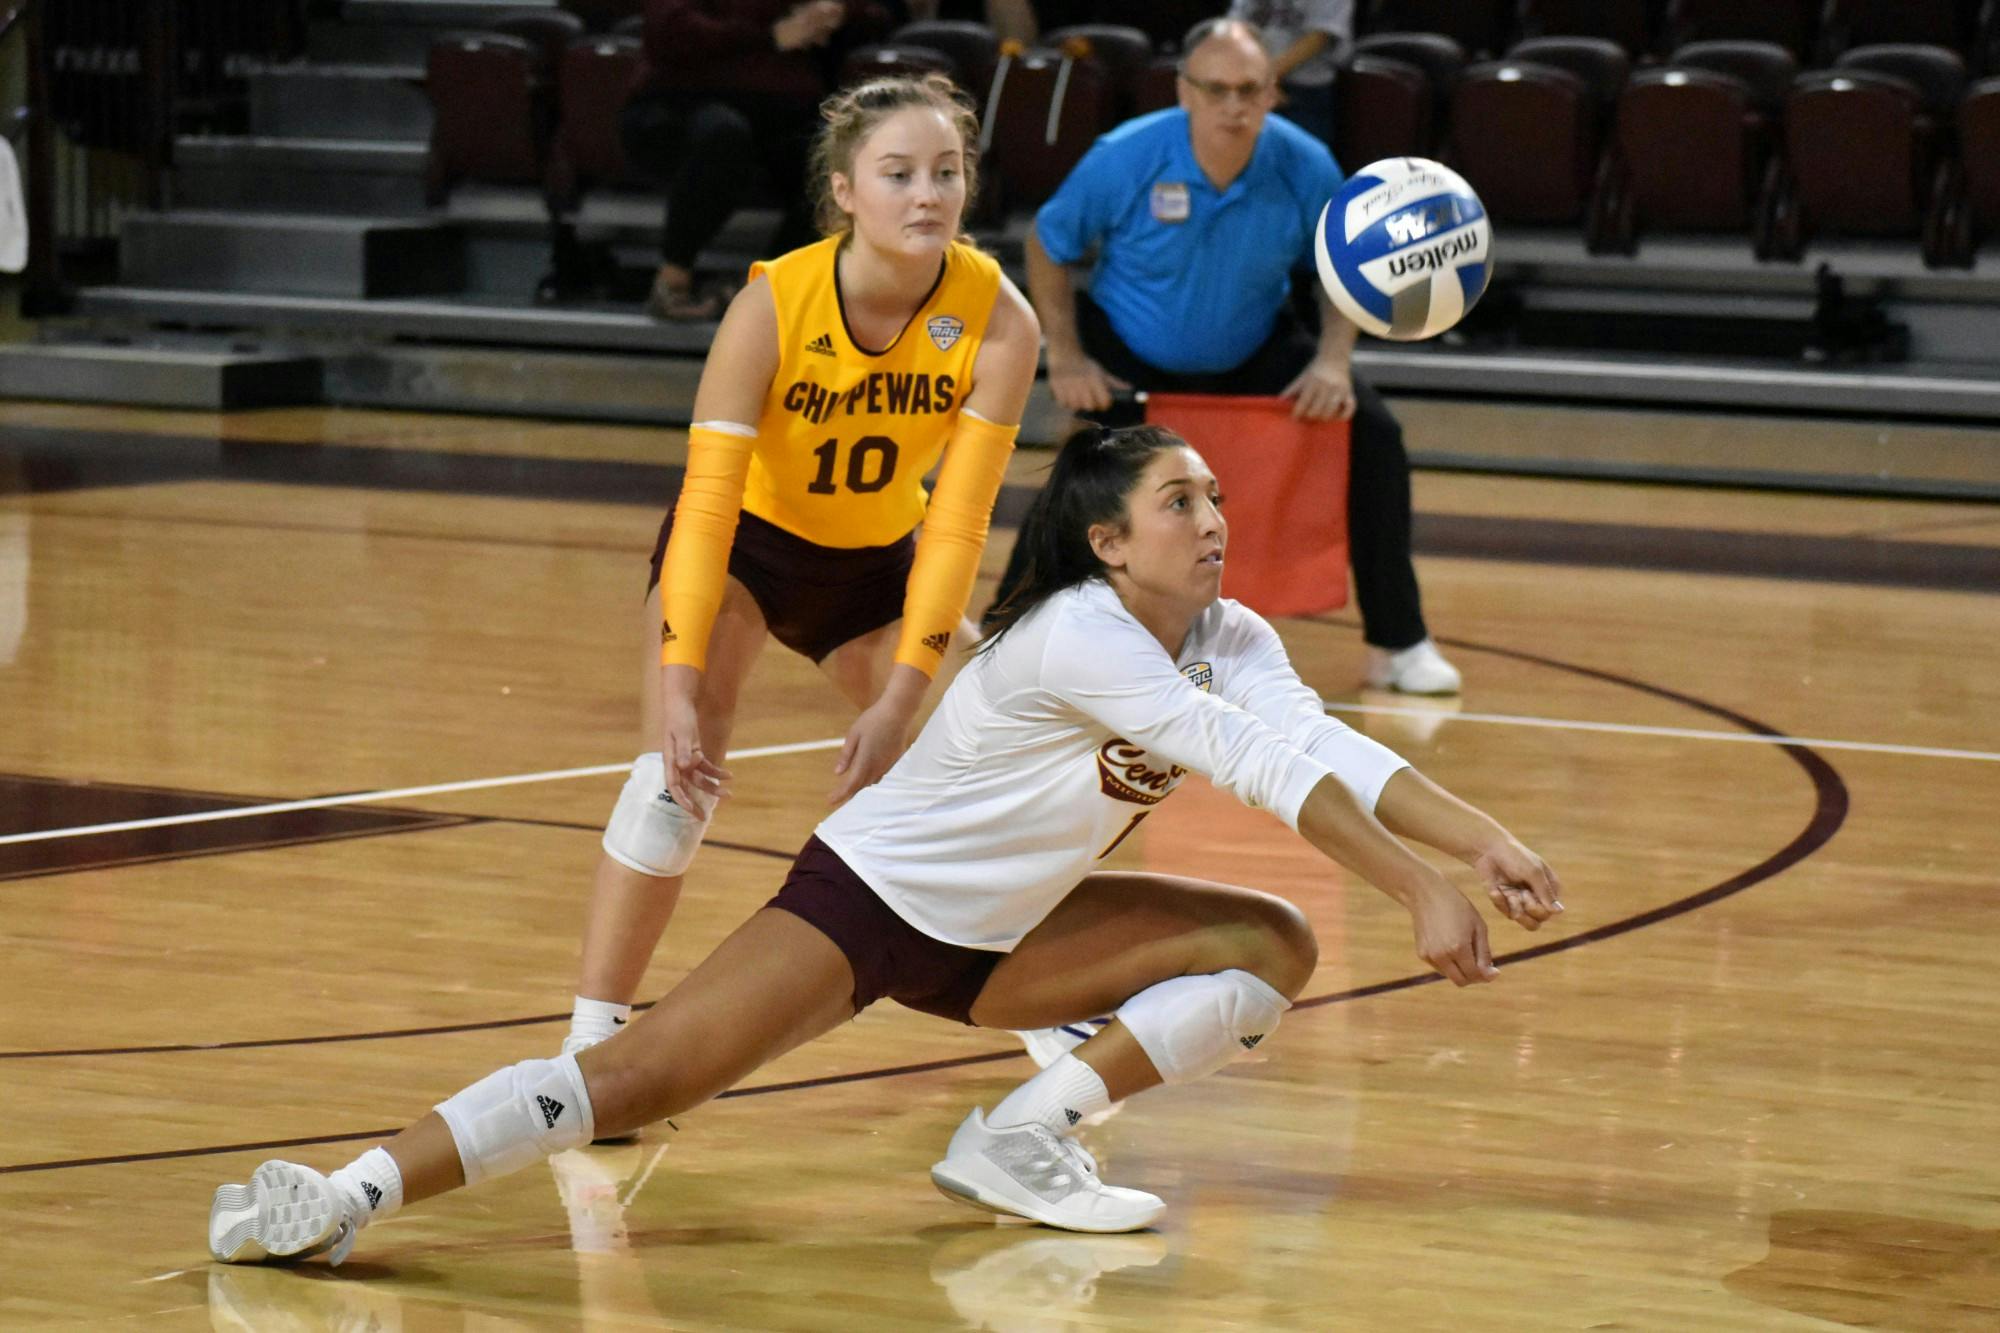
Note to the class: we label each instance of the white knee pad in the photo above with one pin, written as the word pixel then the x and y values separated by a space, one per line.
pixel 1192 1026
pixel 516 1116
pixel 648 831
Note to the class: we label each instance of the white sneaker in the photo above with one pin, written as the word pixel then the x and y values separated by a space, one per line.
pixel 1027 1171
pixel 1417 669
pixel 1048 1045
pixel 286 1211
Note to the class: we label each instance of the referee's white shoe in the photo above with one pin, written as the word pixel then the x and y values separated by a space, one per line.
pixel 287 1211
pixel 1417 669
pixel 1029 1171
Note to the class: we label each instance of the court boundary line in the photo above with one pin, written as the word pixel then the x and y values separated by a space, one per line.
pixel 1673 733
pixel 1772 737
pixel 383 796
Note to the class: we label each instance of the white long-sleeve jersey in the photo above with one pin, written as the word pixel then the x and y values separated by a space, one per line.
pixel 1052 746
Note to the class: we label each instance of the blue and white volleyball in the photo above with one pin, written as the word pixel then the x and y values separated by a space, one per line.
pixel 1404 248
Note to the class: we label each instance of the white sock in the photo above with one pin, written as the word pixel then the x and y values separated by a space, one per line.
pixel 372 1184
pixel 597 1019
pixel 1057 1098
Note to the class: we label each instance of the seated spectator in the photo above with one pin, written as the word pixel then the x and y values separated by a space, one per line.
pixel 727 83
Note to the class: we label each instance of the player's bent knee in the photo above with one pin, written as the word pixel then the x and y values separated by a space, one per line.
pixel 1190 1027
pixel 516 1116
pixel 1294 948
pixel 649 832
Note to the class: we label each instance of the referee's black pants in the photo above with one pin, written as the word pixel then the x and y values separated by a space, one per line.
pixel 1378 479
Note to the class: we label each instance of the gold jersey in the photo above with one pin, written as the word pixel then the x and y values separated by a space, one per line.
pixel 848 434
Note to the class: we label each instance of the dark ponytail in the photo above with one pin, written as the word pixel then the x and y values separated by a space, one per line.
pixel 1089 483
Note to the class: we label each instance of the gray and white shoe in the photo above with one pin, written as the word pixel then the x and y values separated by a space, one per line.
pixel 1028 1171
pixel 287 1211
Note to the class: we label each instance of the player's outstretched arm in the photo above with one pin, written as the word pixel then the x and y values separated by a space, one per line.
pixel 1450 936
pixel 1519 882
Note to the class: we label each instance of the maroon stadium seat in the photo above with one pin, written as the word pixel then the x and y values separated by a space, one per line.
pixel 591 85
pixel 1979 148
pixel 1384 109
pixel 1602 65
pixel 1528 137
pixel 1791 24
pixel 1047 109
pixel 1158 85
pixel 1629 23
pixel 492 111
pixel 1696 146
pixel 971 46
pixel 1864 146
pixel 1125 52
pixel 1765 66
pixel 1438 56
pixel 878 61
pixel 549 31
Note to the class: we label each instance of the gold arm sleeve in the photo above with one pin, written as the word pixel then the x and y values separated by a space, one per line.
pixel 947 561
pixel 697 559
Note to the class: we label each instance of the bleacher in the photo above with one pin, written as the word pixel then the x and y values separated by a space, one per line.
pixel 1792 206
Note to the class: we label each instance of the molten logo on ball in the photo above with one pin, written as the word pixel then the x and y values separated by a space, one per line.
pixel 1403 249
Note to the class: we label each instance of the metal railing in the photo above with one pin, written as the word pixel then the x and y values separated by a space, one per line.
pixel 110 83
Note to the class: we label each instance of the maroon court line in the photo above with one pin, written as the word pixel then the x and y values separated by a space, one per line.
pixel 1830 809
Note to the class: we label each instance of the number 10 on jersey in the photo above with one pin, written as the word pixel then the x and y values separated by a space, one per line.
pixel 870 465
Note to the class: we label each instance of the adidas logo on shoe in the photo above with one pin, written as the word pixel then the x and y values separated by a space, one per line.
pixel 822 344
pixel 1071 1114
pixel 551 1110
pixel 374 1193
pixel 1250 1043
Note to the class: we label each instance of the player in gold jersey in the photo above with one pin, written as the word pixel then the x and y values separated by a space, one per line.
pixel 837 379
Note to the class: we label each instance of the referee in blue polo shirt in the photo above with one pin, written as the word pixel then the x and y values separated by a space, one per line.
pixel 1197 217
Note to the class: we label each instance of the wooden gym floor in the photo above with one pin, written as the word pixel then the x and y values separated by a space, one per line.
pixel 1747 1083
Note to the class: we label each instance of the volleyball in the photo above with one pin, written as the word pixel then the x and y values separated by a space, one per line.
pixel 1403 249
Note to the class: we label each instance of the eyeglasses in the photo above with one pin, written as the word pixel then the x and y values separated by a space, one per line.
pixel 1222 92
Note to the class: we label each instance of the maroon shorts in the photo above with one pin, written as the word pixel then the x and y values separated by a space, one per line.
pixel 891 958
pixel 814 598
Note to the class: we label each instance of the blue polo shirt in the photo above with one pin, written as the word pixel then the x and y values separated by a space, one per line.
pixel 1191 279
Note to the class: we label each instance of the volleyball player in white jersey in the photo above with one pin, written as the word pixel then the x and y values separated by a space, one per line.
pixel 962 884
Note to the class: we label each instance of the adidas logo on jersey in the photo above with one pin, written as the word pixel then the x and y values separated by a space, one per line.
pixel 822 344
pixel 937 643
pixel 551 1110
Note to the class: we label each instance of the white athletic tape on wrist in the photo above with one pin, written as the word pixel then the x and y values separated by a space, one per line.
pixel 1190 1027
pixel 649 832
pixel 516 1116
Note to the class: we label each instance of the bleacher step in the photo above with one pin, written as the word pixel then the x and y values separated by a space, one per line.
pixel 215 376
pixel 258 174
pixel 346 101
pixel 285 253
